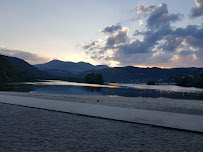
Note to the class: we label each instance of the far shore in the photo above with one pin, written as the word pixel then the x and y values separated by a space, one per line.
pixel 194 107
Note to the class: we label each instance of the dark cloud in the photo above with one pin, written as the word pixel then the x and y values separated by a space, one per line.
pixel 94 50
pixel 149 41
pixel 27 56
pixel 135 47
pixel 171 44
pixel 118 38
pixel 193 30
pixel 198 9
pixel 194 41
pixel 161 16
pixel 111 29
pixel 186 52
pixel 157 16
pixel 92 45
pixel 192 34
pixel 185 42
pixel 152 36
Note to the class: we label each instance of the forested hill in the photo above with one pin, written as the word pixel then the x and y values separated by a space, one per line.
pixel 13 69
pixel 25 67
pixel 8 73
pixel 138 75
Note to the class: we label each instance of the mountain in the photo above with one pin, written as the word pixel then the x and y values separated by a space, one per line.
pixel 67 69
pixel 132 74
pixel 13 69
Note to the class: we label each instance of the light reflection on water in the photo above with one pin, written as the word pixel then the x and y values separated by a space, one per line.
pixel 58 82
pixel 172 88
pixel 111 89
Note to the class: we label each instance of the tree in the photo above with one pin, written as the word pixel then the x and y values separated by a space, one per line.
pixel 94 79
pixel 8 73
pixel 188 81
pixel 150 83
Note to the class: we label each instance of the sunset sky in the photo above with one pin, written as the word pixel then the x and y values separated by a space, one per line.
pixel 164 33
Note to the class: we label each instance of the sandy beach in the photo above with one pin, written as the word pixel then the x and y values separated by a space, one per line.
pixel 194 107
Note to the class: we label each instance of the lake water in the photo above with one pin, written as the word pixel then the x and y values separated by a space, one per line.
pixel 111 89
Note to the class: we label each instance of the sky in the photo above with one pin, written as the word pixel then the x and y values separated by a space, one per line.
pixel 146 33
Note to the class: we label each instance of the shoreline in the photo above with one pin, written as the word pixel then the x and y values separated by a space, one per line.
pixel 194 107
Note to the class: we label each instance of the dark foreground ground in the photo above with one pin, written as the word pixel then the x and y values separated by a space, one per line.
pixel 28 129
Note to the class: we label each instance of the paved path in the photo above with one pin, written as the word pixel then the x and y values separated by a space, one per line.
pixel 157 118
pixel 194 107
pixel 26 129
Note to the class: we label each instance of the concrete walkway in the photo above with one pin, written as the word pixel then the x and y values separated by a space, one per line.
pixel 157 118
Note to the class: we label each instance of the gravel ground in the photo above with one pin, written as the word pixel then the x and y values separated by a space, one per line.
pixel 28 129
pixel 170 105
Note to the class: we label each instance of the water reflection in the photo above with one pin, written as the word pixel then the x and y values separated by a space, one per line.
pixel 94 89
pixel 66 83
pixel 163 87
pixel 70 90
pixel 120 85
pixel 112 90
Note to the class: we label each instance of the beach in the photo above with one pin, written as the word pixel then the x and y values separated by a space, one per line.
pixel 29 129
pixel 33 129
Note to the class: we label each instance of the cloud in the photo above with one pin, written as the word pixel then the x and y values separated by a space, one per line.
pixel 171 43
pixel 149 41
pixel 198 9
pixel 166 46
pixel 111 29
pixel 92 45
pixel 145 9
pixel 135 47
pixel 140 22
pixel 191 35
pixel 157 16
pixel 158 44
pixel 27 56
pixel 118 38
pixel 161 16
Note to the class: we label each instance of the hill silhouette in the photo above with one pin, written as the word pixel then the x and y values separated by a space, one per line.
pixel 132 74
pixel 13 69
pixel 24 66
pixel 8 73
pixel 67 69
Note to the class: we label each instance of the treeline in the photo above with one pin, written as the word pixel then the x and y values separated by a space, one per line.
pixel 191 81
pixel 9 73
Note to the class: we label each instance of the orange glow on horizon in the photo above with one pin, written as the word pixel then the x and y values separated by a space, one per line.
pixel 113 63
pixel 149 66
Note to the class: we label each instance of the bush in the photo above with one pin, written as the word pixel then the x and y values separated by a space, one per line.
pixel 94 79
pixel 150 83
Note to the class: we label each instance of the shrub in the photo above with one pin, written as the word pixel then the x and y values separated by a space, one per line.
pixel 94 79
pixel 150 83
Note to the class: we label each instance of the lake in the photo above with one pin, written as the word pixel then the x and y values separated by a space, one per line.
pixel 111 89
